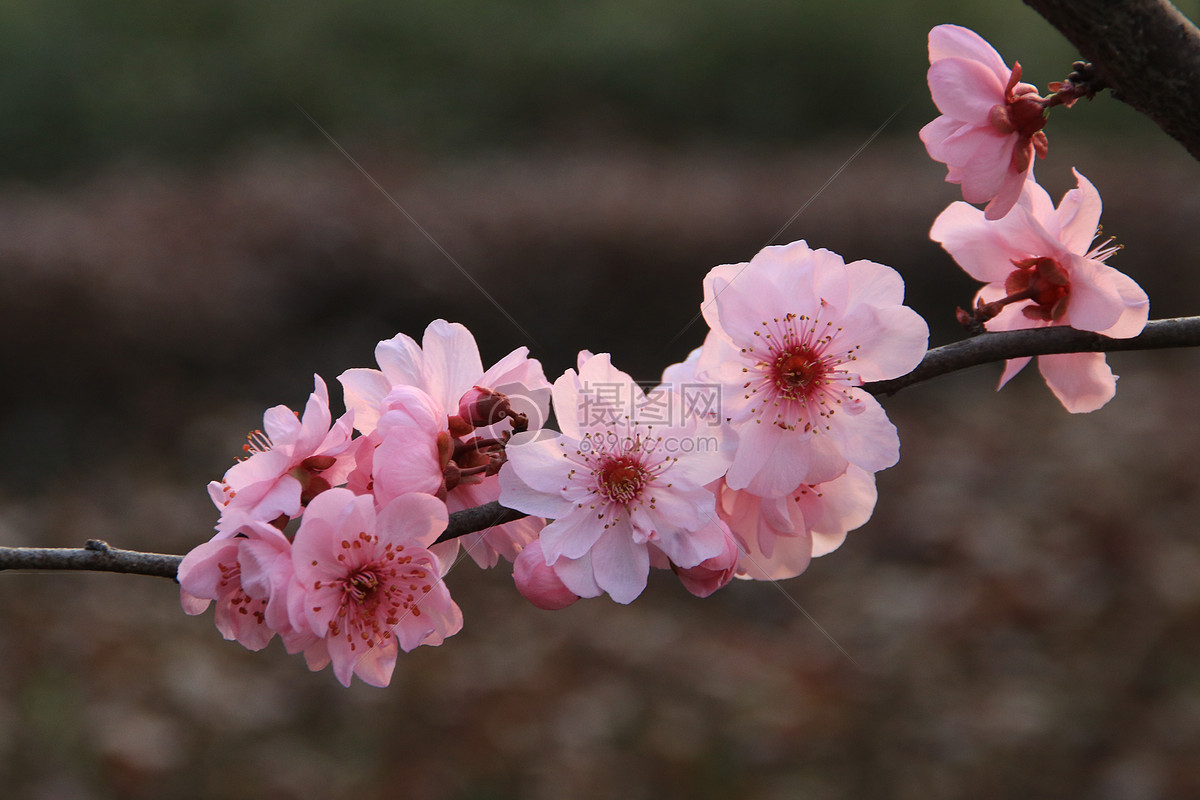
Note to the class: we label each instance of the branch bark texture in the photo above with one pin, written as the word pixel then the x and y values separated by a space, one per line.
pixel 985 348
pixel 1145 51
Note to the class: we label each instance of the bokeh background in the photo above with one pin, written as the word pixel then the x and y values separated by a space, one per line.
pixel 181 248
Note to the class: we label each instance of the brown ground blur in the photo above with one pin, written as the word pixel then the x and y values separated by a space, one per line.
pixel 1025 605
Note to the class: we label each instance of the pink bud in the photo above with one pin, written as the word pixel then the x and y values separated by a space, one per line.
pixel 482 407
pixel 712 573
pixel 537 582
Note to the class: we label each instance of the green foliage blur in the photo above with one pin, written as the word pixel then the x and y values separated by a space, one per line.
pixel 84 82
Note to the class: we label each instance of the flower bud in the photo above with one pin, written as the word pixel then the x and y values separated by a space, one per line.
pixel 538 582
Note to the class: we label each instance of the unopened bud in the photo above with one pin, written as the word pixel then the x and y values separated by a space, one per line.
pixel 482 407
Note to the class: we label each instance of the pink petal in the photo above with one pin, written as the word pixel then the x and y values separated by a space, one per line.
pixel 1082 382
pixel 621 566
pixel 573 534
pixel 316 421
pixel 1011 368
pixel 935 134
pixel 1008 193
pixel 565 400
pixel 869 440
pixel 955 41
pixel 1078 217
pixel 578 575
pixel 890 341
pixel 965 90
pixel 1137 307
pixel 364 390
pixel 375 666
pixel 756 466
pixel 518 494
pixel 402 361
pixel 411 519
pixel 873 284
pixel 1095 303
pixel 978 247
pixel 984 172
pixel 281 425
pixel 452 364
pixel 838 506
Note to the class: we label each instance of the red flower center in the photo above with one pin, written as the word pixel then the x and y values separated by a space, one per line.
pixel 797 369
pixel 622 479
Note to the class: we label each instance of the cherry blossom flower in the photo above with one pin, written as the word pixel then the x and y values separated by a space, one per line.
pixel 991 123
pixel 1041 269
pixel 212 572
pixel 538 582
pixel 370 584
pixel 778 536
pixel 615 483
pixel 291 460
pixel 795 333
pixel 712 573
pixel 464 416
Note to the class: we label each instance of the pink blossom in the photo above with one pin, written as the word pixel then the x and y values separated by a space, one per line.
pixel 538 582
pixel 712 573
pixel 370 584
pixel 1041 269
pixel 449 439
pixel 615 484
pixel 212 572
pixel 446 366
pixel 778 536
pixel 268 573
pixel 290 461
pixel 795 332
pixel 991 123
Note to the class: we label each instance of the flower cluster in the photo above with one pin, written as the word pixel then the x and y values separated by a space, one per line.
pixel 775 467
pixel 748 459
pixel 330 540
pixel 1037 261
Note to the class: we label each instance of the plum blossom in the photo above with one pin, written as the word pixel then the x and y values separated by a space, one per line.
pixel 436 422
pixel 616 482
pixel 538 582
pixel 778 536
pixel 712 573
pixel 370 586
pixel 795 333
pixel 290 461
pixel 991 122
pixel 1041 269
pixel 212 572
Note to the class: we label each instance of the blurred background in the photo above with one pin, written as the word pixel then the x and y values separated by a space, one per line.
pixel 180 248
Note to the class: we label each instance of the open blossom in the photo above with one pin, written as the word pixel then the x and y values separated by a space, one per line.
pixel 617 480
pixel 795 333
pixel 778 536
pixel 370 586
pixel 991 123
pixel 436 422
pixel 213 572
pixel 1041 269
pixel 291 460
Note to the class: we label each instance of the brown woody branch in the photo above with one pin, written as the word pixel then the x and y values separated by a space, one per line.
pixel 985 348
pixel 1145 51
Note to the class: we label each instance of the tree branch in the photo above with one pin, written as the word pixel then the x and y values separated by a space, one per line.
pixel 1145 51
pixel 985 348
pixel 988 347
